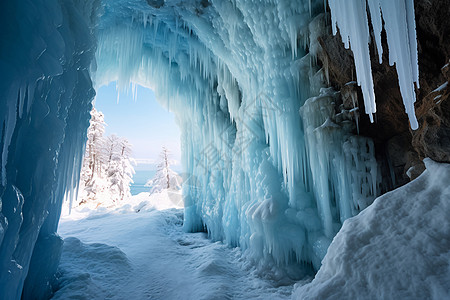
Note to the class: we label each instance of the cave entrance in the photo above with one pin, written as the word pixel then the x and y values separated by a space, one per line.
pixel 148 126
pixel 133 145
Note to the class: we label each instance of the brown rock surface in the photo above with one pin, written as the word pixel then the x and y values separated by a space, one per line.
pixel 432 139
pixel 395 141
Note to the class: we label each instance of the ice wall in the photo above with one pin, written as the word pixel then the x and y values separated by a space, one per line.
pixel 260 175
pixel 45 91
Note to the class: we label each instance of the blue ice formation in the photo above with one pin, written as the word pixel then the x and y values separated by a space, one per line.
pixel 272 164
pixel 46 51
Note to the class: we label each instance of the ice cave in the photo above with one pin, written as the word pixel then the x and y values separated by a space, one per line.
pixel 318 132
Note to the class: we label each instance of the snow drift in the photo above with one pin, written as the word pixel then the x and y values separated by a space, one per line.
pixel 398 248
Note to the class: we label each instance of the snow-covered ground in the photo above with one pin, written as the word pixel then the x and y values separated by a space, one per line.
pixel 397 248
pixel 119 253
pixel 141 202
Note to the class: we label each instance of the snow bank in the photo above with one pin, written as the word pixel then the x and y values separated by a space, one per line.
pixel 398 248
pixel 94 269
pixel 166 199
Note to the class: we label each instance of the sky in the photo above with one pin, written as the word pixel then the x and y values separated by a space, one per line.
pixel 143 121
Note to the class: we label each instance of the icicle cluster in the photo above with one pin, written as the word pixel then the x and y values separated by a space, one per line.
pixel 399 23
pixel 236 74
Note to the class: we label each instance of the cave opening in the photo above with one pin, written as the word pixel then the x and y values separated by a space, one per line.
pixel 132 141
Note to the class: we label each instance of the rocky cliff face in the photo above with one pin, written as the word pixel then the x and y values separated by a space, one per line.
pixel 399 149
pixel 432 139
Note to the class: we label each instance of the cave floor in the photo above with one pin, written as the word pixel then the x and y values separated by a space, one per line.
pixel 147 255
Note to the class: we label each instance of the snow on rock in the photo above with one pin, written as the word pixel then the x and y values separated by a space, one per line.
pixel 441 87
pixel 398 248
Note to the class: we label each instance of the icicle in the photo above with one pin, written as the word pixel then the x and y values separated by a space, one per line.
pixel 235 86
pixel 375 16
pixel 351 17
pixel 144 18
pixel 310 9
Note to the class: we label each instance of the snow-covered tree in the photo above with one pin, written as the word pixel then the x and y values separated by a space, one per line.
pixel 91 170
pixel 94 143
pixel 119 166
pixel 107 169
pixel 165 178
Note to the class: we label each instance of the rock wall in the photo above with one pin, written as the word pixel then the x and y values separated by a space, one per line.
pixel 399 149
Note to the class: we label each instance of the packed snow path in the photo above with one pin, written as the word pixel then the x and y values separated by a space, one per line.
pixel 146 255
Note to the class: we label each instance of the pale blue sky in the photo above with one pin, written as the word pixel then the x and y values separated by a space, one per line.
pixel 143 121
